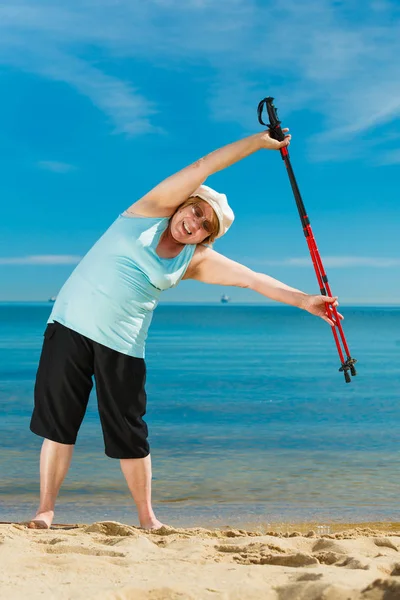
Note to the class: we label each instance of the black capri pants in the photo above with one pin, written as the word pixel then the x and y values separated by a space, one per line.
pixel 64 380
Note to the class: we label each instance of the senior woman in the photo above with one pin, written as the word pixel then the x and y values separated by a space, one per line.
pixel 99 322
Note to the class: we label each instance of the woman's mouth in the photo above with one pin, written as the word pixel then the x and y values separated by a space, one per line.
pixel 186 228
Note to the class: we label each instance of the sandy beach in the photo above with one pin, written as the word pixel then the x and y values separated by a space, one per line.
pixel 112 561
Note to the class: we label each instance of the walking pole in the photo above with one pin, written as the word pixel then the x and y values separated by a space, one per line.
pixel 276 132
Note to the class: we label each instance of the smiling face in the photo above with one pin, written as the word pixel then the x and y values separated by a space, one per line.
pixel 194 222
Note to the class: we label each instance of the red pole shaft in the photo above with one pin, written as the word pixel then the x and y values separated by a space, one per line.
pixel 328 289
pixel 314 251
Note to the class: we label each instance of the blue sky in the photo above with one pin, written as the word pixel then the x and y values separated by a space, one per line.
pixel 102 99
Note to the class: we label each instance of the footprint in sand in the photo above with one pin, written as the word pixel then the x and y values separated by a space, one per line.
pixel 311 590
pixel 354 563
pixel 384 542
pixel 382 589
pixel 200 531
pixel 111 528
pixel 328 557
pixel 289 560
pixel 395 570
pixel 341 560
pixel 129 593
pixel 57 547
pixel 310 577
pixel 333 553
pixel 50 542
pixel 259 554
pixel 329 546
pixel 229 549
pixel 253 548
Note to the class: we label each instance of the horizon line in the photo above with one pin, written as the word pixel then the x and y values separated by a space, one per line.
pixel 219 303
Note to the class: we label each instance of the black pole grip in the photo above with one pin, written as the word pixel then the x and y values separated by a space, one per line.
pixel 274 124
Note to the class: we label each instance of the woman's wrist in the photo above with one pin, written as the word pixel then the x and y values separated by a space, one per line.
pixel 258 140
pixel 303 300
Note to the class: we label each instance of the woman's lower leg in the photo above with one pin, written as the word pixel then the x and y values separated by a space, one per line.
pixel 55 460
pixel 137 472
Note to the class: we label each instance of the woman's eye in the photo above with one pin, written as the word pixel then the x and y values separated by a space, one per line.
pixel 207 226
pixel 198 212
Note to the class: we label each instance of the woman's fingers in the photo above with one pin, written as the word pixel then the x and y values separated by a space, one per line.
pixel 286 141
pixel 329 321
pixel 333 301
pixel 327 312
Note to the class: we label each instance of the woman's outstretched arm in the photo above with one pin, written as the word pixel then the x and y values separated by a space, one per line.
pixel 164 199
pixel 211 267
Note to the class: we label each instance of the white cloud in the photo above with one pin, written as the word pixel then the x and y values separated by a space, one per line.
pixel 338 60
pixel 390 158
pixel 48 41
pixel 129 111
pixel 41 259
pixel 333 262
pixel 56 167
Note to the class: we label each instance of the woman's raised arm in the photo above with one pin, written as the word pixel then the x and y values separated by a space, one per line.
pixel 164 199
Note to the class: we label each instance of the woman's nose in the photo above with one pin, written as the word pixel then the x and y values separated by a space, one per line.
pixel 198 224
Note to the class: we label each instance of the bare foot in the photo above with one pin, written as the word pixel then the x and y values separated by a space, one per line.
pixel 152 524
pixel 43 520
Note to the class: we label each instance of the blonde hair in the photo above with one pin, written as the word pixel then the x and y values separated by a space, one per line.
pixel 214 220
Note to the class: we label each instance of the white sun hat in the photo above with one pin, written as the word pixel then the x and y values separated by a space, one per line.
pixel 219 203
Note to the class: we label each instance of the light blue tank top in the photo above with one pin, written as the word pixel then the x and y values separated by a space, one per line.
pixel 112 293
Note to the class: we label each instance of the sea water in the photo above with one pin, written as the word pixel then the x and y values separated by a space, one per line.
pixel 249 419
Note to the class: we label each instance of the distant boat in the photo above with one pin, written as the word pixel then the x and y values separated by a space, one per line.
pixel 53 299
pixel 225 299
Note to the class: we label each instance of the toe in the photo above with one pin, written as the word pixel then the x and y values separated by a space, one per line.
pixel 37 524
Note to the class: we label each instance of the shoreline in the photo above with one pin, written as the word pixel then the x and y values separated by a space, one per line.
pixel 281 528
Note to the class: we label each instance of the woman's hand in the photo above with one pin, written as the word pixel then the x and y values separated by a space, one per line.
pixel 316 305
pixel 267 142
